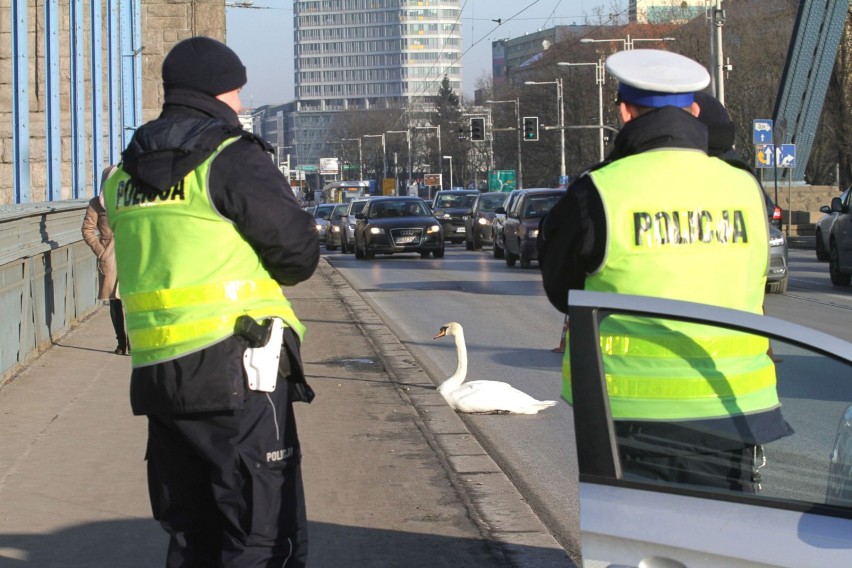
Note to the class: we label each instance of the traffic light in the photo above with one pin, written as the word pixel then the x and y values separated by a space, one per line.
pixel 531 128
pixel 477 128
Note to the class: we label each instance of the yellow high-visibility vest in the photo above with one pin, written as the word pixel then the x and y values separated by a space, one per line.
pixel 682 226
pixel 185 272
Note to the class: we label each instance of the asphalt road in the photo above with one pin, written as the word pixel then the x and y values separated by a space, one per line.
pixel 510 329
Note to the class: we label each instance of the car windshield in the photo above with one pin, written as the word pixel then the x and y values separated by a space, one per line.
pixel 324 211
pixel 398 209
pixel 538 206
pixel 488 202
pixel 338 212
pixel 455 201
pixel 357 207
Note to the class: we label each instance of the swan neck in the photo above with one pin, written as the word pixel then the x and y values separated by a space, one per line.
pixel 461 353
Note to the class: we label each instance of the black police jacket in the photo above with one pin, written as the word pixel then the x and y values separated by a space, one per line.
pixel 245 187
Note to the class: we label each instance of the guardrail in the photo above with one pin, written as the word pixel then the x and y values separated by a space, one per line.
pixel 48 279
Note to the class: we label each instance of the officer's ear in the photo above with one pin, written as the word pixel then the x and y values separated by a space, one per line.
pixel 694 109
pixel 627 111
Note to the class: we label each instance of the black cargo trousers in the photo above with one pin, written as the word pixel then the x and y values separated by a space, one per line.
pixel 227 486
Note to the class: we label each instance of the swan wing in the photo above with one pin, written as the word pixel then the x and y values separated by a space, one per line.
pixel 494 396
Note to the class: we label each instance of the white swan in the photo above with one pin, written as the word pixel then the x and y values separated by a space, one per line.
pixel 483 397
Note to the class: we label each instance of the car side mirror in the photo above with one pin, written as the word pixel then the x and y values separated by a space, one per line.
pixel 836 205
pixel 825 209
pixel 359 216
pixel 500 210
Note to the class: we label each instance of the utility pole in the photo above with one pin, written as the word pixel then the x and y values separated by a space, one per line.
pixel 717 20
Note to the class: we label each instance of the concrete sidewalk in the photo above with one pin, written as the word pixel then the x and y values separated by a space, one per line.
pixel 393 477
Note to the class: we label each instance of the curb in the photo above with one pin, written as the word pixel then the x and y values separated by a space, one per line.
pixel 492 500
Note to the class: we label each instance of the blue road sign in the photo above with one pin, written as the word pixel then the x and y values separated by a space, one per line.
pixel 762 131
pixel 785 156
pixel 764 156
pixel 563 180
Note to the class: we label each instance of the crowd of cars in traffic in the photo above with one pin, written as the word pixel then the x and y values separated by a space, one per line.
pixel 506 221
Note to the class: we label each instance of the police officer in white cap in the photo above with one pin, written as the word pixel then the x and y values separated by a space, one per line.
pixel 661 218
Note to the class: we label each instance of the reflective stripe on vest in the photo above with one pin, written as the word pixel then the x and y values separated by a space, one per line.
pixel 185 272
pixel 706 242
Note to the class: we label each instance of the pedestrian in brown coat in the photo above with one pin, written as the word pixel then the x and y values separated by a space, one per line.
pixel 98 236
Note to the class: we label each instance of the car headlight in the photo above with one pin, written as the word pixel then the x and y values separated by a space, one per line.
pixel 532 233
pixel 447 216
pixel 335 229
pixel 319 227
pixel 376 230
pixel 776 241
pixel 482 221
pixel 433 229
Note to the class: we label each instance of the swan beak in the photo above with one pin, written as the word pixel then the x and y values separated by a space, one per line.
pixel 441 332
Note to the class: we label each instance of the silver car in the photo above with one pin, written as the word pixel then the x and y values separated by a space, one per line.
pixel 822 231
pixel 347 235
pixel 776 275
pixel 801 515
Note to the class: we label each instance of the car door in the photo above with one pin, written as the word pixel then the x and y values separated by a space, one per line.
pixel 802 515
pixel 510 225
pixel 841 230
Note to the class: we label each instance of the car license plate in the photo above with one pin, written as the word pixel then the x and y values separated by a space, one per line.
pixel 460 229
pixel 405 240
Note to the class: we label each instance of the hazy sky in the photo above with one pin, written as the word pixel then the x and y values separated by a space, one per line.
pixel 263 37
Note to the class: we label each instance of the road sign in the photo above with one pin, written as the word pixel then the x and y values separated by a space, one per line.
pixel 764 156
pixel 564 180
pixel 501 180
pixel 785 156
pixel 762 131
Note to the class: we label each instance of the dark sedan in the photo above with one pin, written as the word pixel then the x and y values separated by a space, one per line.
pixel 389 225
pixel 450 207
pixel 477 225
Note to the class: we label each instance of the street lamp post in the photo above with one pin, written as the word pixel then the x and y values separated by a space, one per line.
pixel 384 156
pixel 408 143
pixel 360 156
pixel 450 158
pixel 560 110
pixel 517 103
pixel 600 76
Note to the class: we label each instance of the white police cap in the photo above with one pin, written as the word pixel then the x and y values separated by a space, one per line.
pixel 656 78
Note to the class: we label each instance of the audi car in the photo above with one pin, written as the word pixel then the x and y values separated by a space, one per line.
pixel 389 225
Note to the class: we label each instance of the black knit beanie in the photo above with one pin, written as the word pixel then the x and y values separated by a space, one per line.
pixel 720 127
pixel 203 64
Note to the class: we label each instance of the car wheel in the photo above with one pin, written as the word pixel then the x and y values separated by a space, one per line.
pixel 329 246
pixel 359 253
pixel 438 253
pixel 368 253
pixel 510 257
pixel 821 253
pixel 477 242
pixel 525 262
pixel 778 287
pixel 838 278
pixel 498 250
pixel 424 254
pixel 468 245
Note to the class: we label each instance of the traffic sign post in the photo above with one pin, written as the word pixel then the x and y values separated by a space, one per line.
pixel 764 156
pixel 761 131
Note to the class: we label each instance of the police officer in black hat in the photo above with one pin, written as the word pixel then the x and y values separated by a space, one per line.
pixel 207 233
pixel 662 218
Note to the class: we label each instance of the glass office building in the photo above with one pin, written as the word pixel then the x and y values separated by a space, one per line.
pixel 369 54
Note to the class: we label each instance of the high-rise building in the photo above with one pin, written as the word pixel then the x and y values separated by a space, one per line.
pixel 369 54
